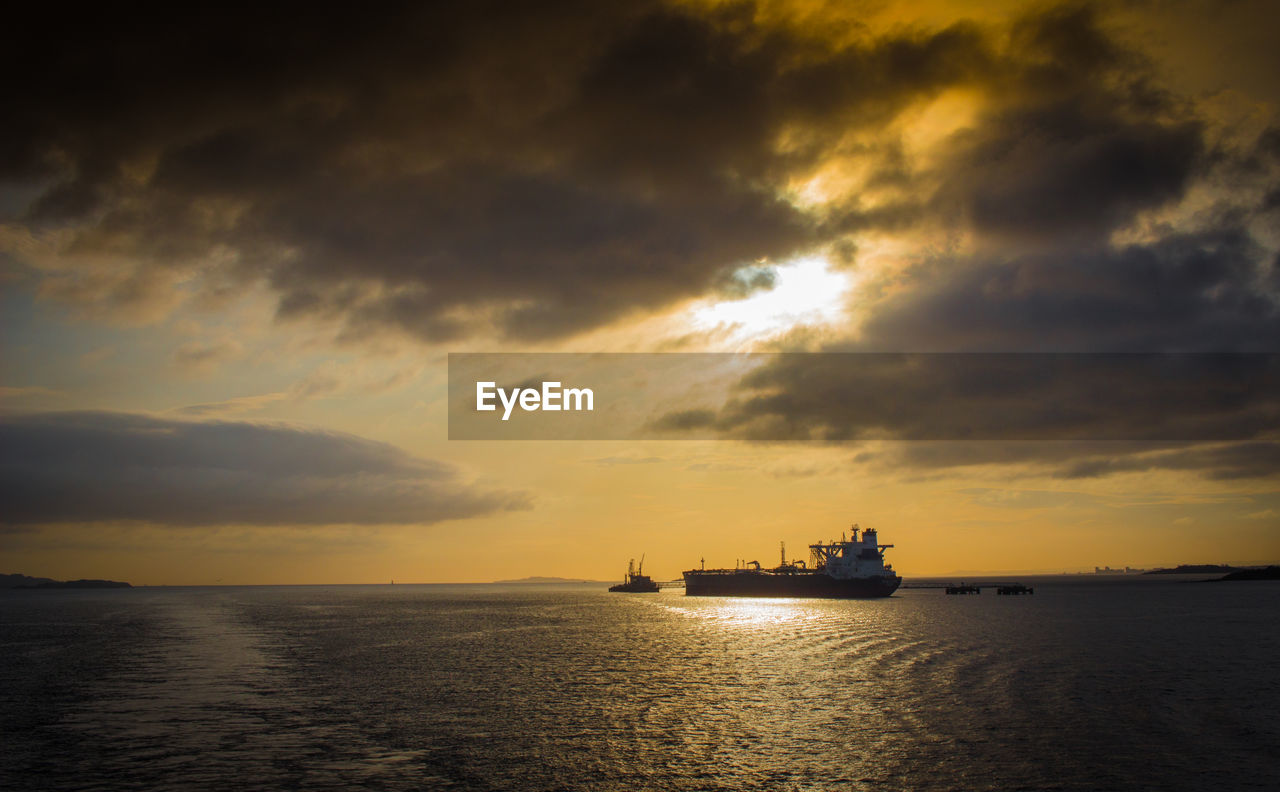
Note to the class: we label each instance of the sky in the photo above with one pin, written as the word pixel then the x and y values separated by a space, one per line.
pixel 238 248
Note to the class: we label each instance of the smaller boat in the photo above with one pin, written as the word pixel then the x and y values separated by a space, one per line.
pixel 636 582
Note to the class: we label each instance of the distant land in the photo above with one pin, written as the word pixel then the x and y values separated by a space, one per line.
pixel 540 579
pixel 1197 569
pixel 1253 573
pixel 16 581
pixel 26 582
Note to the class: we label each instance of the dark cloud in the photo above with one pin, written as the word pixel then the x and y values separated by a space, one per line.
pixel 1054 171
pixel 1082 460
pixel 685 420
pixel 1074 145
pixel 96 466
pixel 443 168
pixel 1231 461
pixel 1000 397
pixel 1075 137
pixel 1069 415
pixel 1204 291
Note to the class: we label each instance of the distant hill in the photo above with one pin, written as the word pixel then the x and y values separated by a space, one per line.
pixel 1194 569
pixel 18 581
pixel 26 582
pixel 1258 573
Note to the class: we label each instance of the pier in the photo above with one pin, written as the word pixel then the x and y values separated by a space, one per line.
pixel 1006 589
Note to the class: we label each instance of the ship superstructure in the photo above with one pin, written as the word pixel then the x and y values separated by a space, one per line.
pixel 636 582
pixel 848 568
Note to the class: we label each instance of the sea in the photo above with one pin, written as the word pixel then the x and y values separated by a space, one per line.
pixel 1091 683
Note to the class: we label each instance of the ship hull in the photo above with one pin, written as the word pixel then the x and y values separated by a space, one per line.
pixel 750 583
pixel 635 588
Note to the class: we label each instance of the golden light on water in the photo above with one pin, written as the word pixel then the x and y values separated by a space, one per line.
pixel 753 612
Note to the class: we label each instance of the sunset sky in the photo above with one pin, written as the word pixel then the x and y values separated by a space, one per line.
pixel 236 251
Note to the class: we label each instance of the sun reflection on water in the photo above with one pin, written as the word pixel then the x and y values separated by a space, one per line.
pixel 758 613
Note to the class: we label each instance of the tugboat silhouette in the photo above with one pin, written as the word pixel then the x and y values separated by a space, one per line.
pixel 636 582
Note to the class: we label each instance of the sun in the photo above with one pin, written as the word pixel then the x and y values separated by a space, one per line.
pixel 806 292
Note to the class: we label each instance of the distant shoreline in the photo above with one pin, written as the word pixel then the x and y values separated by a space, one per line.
pixel 1251 573
pixel 27 582
pixel 1198 569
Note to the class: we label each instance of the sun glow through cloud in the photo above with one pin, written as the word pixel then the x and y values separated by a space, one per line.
pixel 807 292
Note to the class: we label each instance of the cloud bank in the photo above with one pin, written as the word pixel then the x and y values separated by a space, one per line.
pixel 98 466
pixel 453 169
pixel 1071 415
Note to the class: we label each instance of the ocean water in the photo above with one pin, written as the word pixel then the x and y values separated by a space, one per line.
pixel 1090 684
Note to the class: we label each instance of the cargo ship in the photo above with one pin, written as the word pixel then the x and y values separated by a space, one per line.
pixel 635 582
pixel 850 568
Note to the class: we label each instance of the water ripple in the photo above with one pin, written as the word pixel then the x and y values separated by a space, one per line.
pixel 531 688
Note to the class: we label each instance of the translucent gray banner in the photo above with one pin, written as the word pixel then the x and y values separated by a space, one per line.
pixel 841 397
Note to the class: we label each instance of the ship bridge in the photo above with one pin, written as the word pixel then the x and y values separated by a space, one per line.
pixel 859 555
